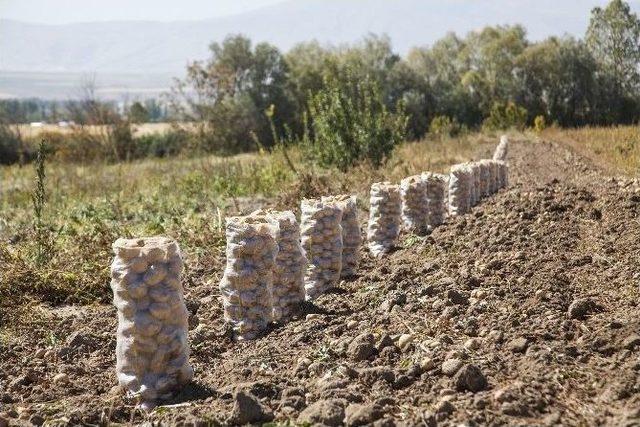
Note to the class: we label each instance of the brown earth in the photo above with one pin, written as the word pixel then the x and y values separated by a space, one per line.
pixel 524 312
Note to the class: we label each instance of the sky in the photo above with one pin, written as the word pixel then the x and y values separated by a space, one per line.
pixel 69 11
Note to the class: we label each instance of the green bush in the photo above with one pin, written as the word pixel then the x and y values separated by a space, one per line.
pixel 170 143
pixel 444 127
pixel 506 116
pixel 539 124
pixel 349 123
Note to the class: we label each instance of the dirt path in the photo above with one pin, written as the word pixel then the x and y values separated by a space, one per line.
pixel 524 312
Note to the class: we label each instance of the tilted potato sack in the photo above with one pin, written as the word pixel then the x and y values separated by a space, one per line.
pixel 321 238
pixel 413 192
pixel 248 277
pixel 502 149
pixel 152 350
pixel 503 174
pixel 351 235
pixel 384 218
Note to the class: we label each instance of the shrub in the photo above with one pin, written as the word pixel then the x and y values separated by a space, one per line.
pixel 443 127
pixel 162 144
pixel 539 124
pixel 10 145
pixel 350 123
pixel 506 116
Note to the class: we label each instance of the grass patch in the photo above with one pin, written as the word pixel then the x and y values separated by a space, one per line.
pixel 89 207
pixel 617 148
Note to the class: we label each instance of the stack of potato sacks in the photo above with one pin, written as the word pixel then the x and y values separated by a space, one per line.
pixel 436 190
pixel 413 193
pixel 288 286
pixel 152 350
pixel 470 182
pixel 384 218
pixel 321 238
pixel 246 285
pixel 351 235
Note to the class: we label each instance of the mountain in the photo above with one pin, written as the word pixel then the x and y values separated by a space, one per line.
pixel 166 47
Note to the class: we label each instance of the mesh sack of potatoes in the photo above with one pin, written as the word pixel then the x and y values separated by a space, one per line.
pixel 413 193
pixel 477 183
pixel 502 149
pixel 503 174
pixel 351 235
pixel 248 276
pixel 385 217
pixel 152 350
pixel 495 176
pixel 473 189
pixel 485 178
pixel 437 185
pixel 321 237
pixel 288 281
pixel 459 189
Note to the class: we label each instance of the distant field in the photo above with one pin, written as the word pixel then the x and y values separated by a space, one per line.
pixel 62 85
pixel 28 131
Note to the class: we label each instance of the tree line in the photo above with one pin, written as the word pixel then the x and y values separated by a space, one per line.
pixel 495 77
pixel 349 103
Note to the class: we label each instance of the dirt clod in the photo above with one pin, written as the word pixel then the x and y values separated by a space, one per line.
pixel 362 347
pixel 451 366
pixel 324 413
pixel 247 409
pixel 580 308
pixel 360 415
pixel 470 378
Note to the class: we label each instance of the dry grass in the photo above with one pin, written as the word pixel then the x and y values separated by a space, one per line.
pixel 90 206
pixel 615 148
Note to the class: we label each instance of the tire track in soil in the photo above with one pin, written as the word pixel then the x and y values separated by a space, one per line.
pixel 492 289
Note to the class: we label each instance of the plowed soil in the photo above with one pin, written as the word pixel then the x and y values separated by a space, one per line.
pixel 523 312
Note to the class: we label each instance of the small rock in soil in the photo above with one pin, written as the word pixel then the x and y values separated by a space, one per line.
pixel 456 297
pixel 470 378
pixel 518 345
pixel 361 348
pixel 247 409
pixel 36 420
pixel 373 374
pixel 324 412
pixel 631 342
pixel 472 344
pixel 405 341
pixel 427 364
pixel 451 366
pixel 385 341
pixel 445 407
pixel 580 308
pixel 360 415
pixel 61 378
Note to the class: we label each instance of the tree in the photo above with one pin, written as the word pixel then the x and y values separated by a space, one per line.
pixel 138 113
pixel 613 37
pixel 556 78
pixel 231 91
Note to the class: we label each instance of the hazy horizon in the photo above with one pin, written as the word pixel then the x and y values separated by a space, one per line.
pixel 63 12
pixel 92 36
